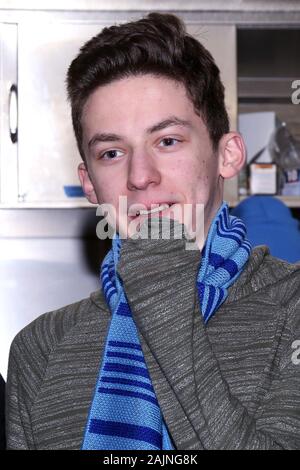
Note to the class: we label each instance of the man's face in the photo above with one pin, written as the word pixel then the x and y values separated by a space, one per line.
pixel 142 139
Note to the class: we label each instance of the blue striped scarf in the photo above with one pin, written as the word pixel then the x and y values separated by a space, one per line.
pixel 125 413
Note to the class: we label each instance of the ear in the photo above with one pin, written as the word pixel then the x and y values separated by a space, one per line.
pixel 86 183
pixel 232 154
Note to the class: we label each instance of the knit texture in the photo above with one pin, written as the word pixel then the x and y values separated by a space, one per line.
pixel 125 413
pixel 247 347
pixel 224 256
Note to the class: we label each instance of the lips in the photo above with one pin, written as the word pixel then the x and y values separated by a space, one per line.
pixel 137 210
pixel 160 208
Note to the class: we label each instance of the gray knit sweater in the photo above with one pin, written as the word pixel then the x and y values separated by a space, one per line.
pixel 232 384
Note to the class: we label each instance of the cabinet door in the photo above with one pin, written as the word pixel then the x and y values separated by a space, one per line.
pixel 48 156
pixel 8 114
pixel 221 42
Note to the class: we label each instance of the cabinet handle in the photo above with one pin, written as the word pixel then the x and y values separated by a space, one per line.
pixel 13 113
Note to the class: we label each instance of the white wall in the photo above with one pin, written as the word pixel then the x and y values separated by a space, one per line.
pixel 188 5
pixel 36 276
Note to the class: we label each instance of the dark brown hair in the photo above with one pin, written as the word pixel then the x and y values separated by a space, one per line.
pixel 157 44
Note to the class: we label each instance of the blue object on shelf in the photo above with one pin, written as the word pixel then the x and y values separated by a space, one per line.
pixel 270 222
pixel 73 191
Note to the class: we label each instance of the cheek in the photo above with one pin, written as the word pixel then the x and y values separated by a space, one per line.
pixel 108 196
pixel 202 177
pixel 106 186
pixel 104 191
pixel 186 167
pixel 199 171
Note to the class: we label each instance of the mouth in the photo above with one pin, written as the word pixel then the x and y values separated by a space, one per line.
pixel 138 210
pixel 154 210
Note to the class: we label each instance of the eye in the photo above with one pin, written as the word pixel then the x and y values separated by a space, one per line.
pixel 110 154
pixel 168 142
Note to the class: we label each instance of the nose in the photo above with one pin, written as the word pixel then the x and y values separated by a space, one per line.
pixel 142 171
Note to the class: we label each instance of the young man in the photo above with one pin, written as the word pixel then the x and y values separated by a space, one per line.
pixel 179 349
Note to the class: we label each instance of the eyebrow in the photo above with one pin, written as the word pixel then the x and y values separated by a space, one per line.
pixel 109 137
pixel 171 121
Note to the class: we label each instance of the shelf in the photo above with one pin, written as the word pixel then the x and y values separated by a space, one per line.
pixel 73 204
pixel 49 222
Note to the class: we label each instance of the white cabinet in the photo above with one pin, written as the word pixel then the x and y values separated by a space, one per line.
pixel 8 114
pixel 40 169
pixel 46 152
pixel 48 156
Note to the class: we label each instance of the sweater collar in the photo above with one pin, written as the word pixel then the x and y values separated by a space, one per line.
pixel 257 275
